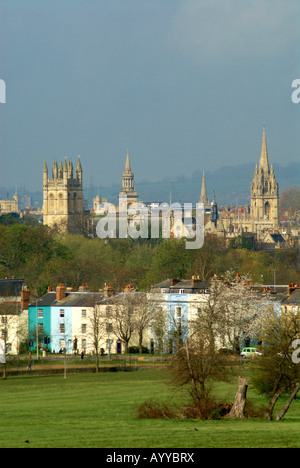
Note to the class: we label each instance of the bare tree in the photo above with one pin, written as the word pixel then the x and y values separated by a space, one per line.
pixel 144 312
pixel 96 332
pixel 233 310
pixel 196 366
pixel 208 319
pixel 123 317
pixel 158 326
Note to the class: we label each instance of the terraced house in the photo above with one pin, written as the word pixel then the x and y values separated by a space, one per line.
pixel 61 320
pixel 14 300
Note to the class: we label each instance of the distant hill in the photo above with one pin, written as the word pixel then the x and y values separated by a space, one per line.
pixel 231 185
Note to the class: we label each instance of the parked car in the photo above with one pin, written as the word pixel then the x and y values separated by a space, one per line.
pixel 249 353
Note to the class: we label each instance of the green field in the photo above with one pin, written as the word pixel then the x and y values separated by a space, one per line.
pixel 99 410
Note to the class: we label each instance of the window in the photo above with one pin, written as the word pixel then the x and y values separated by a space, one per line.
pixel 178 312
pixel 62 328
pixel 109 328
pixel 60 202
pixel 83 344
pixel 62 313
pixel 108 311
pixel 40 313
pixel 181 291
pixel 40 329
pixel 51 202
pixel 83 313
pixel 83 328
pixel 3 319
pixel 62 344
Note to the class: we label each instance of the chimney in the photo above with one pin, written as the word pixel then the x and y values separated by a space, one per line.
pixel 108 290
pixel 25 298
pixel 49 289
pixel 129 288
pixel 292 287
pixel 84 288
pixel 195 281
pixel 174 281
pixel 60 291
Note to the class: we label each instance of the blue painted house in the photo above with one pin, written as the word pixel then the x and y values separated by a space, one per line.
pixel 60 317
pixel 180 300
pixel 39 321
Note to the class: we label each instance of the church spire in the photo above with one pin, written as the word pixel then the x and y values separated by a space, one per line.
pixel 203 196
pixel 264 158
pixel 128 176
pixel 128 183
pixel 127 165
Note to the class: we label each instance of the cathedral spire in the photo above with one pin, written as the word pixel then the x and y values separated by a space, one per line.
pixel 264 158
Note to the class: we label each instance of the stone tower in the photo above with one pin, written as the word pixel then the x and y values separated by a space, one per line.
pixel 127 189
pixel 63 196
pixel 265 191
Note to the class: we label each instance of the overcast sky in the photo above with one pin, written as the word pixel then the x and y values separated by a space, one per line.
pixel 182 84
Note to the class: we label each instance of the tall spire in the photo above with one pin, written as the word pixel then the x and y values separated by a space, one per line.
pixel 203 196
pixel 264 158
pixel 128 183
pixel 127 165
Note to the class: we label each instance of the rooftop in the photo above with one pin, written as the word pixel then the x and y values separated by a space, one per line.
pixel 293 299
pixel 11 287
pixel 72 299
pixel 191 286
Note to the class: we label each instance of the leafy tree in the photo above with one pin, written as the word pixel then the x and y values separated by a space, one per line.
pixel 241 242
pixel 275 374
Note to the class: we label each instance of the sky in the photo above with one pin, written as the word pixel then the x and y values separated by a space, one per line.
pixel 183 85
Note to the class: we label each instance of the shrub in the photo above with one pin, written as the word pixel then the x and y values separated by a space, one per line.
pixel 136 350
pixel 151 409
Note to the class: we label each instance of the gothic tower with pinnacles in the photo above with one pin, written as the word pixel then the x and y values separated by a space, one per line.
pixel 63 197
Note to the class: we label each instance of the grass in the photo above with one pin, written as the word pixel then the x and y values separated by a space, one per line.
pixel 99 410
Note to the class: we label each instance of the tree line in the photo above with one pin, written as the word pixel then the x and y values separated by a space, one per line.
pixel 44 258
